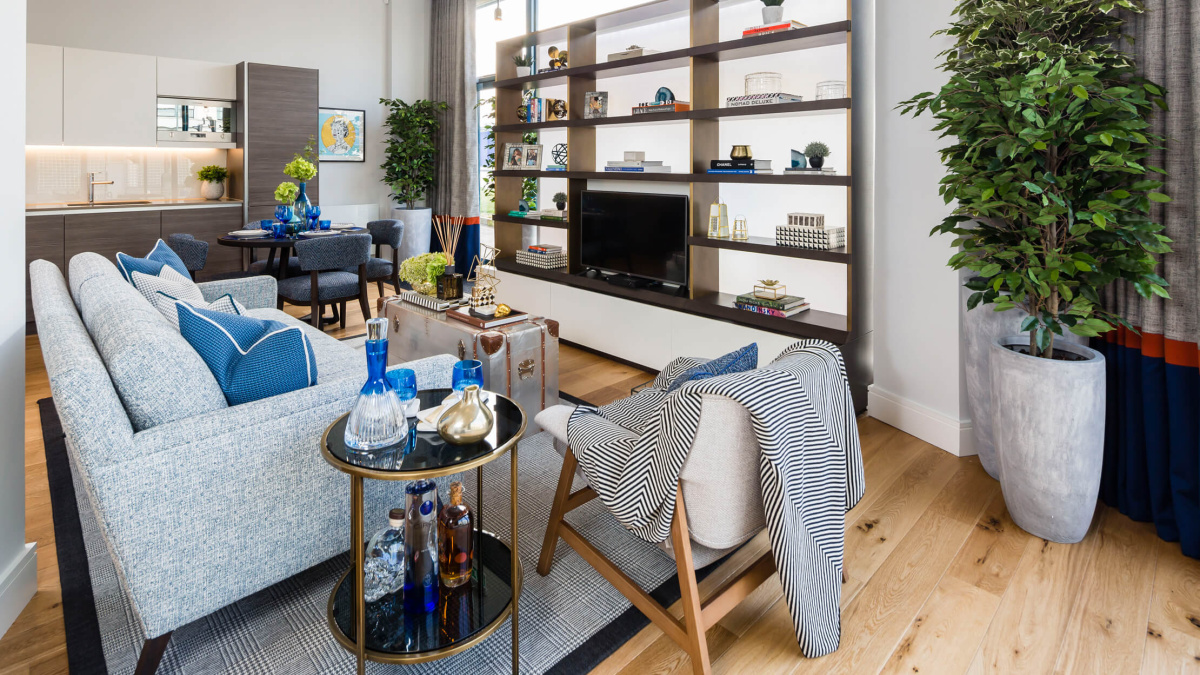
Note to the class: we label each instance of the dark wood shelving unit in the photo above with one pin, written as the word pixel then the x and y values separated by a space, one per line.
pixel 701 296
pixel 535 222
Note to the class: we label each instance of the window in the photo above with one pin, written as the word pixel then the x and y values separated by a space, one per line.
pixel 557 12
pixel 489 31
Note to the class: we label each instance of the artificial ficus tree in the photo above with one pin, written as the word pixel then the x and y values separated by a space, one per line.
pixel 1047 171
pixel 410 165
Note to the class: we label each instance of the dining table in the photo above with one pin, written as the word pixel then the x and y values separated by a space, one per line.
pixel 281 246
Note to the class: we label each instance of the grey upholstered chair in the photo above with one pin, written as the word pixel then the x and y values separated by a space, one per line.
pixel 327 282
pixel 260 266
pixel 380 269
pixel 192 251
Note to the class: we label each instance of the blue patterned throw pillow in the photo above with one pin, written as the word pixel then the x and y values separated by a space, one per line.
pixel 160 256
pixel 738 361
pixel 251 358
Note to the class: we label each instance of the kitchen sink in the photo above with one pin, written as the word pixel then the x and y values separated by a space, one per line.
pixel 125 203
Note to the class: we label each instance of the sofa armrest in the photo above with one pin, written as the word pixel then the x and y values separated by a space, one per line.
pixel 256 292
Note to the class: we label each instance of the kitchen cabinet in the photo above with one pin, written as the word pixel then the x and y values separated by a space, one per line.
pixel 278 117
pixel 43 241
pixel 109 99
pixel 184 78
pixel 132 232
pixel 207 225
pixel 43 95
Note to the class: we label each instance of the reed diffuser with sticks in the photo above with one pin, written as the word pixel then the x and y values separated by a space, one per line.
pixel 448 229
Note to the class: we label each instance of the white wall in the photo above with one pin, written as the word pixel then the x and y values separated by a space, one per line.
pixel 347 40
pixel 917 347
pixel 18 561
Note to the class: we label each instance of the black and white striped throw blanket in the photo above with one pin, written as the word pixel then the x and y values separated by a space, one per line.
pixel 633 450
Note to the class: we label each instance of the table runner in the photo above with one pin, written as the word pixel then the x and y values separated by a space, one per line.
pixel 633 450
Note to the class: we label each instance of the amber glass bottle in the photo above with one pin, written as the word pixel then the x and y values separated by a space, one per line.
pixel 455 538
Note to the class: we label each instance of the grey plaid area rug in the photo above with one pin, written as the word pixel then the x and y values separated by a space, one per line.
pixel 570 621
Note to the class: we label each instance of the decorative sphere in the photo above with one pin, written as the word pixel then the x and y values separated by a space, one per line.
pixel 560 154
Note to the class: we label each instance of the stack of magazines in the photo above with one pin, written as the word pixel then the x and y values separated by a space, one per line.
pixel 788 305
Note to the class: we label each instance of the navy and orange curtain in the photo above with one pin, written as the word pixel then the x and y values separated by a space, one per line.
pixel 1152 433
pixel 468 247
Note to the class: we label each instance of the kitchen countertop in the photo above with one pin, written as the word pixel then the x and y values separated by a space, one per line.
pixel 114 206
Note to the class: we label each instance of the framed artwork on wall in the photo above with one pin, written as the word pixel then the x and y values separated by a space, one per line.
pixel 341 135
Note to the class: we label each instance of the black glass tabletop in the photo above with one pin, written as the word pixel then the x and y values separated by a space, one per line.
pixel 425 452
pixel 469 611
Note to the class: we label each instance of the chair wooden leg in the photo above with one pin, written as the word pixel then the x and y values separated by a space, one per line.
pixel 279 303
pixel 362 303
pixel 342 315
pixel 557 510
pixel 379 285
pixel 152 653
pixel 314 300
pixel 689 590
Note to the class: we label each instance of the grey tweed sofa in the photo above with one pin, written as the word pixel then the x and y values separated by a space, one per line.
pixel 201 504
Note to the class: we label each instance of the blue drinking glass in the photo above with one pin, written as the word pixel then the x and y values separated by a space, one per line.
pixel 326 224
pixel 467 373
pixel 283 213
pixel 266 224
pixel 404 381
pixel 279 229
pixel 313 212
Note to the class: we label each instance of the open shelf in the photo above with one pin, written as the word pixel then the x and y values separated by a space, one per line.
pixel 837 105
pixel 765 179
pixel 505 218
pixel 811 324
pixel 768 246
pixel 812 37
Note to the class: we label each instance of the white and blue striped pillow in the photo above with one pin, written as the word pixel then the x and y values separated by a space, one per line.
pixel 166 304
pixel 160 256
pixel 250 358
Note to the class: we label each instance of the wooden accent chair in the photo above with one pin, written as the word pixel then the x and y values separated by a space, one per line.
pixel 718 508
pixel 328 283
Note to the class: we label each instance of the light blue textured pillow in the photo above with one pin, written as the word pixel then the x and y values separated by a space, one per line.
pixel 161 255
pixel 250 358
pixel 738 361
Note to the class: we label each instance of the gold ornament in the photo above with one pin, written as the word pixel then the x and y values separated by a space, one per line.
pixel 468 421
pixel 502 311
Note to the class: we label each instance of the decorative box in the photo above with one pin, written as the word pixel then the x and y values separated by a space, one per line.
pixel 816 238
pixel 482 297
pixel 546 261
pixel 816 220
pixel 766 292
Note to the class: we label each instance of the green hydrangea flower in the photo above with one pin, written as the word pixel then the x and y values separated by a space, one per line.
pixel 301 169
pixel 286 192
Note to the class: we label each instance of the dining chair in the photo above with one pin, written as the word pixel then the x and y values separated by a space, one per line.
pixel 380 269
pixel 324 280
pixel 260 266
pixel 193 252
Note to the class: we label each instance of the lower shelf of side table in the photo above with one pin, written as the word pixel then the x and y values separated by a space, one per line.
pixel 464 616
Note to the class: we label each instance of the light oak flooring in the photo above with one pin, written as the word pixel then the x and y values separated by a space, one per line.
pixel 940 580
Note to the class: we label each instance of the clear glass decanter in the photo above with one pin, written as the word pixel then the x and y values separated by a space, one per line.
pixel 377 419
pixel 421 546
pixel 383 572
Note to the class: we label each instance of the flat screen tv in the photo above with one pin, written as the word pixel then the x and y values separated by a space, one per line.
pixel 642 235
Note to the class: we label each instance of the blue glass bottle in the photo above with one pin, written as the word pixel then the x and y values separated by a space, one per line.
pixel 377 419
pixel 300 207
pixel 421 584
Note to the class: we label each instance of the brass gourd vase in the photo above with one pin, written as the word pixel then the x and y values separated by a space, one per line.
pixel 468 421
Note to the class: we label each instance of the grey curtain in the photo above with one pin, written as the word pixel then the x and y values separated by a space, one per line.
pixel 1152 429
pixel 452 79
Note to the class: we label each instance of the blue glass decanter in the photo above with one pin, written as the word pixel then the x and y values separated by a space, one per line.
pixel 377 419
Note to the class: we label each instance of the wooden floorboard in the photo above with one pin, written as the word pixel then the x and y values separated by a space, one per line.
pixel 940 578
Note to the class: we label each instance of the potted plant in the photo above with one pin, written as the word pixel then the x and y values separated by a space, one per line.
pixel 772 11
pixel 560 200
pixel 303 170
pixel 409 167
pixel 524 64
pixel 1053 195
pixel 421 272
pixel 212 181
pixel 816 152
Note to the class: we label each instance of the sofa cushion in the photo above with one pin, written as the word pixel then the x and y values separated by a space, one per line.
pixel 157 374
pixel 167 305
pixel 738 361
pixel 251 358
pixel 161 255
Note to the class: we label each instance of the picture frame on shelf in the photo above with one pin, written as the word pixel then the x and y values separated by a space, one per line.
pixel 514 156
pixel 342 135
pixel 597 105
pixel 533 157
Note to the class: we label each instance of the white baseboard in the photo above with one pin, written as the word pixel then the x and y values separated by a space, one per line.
pixel 18 583
pixel 952 435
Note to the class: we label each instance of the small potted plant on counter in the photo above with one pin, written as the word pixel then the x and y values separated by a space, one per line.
pixel 560 200
pixel 524 64
pixel 772 11
pixel 212 181
pixel 816 152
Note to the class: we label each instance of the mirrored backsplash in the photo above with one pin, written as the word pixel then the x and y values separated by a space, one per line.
pixel 60 174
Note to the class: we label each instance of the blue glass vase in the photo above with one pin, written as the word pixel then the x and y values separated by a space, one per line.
pixel 302 204
pixel 377 419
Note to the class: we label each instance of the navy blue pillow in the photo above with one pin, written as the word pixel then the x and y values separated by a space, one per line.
pixel 160 256
pixel 738 361
pixel 250 358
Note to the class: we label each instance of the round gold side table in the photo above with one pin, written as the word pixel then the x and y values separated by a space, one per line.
pixel 465 615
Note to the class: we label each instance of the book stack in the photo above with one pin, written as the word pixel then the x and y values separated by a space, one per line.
pixel 532 215
pixel 797 170
pixel 761 99
pixel 788 305
pixel 813 238
pixel 767 29
pixel 668 107
pixel 553 214
pixel 636 162
pixel 535 111
pixel 543 256
pixel 743 166
pixel 556 167
pixel 426 301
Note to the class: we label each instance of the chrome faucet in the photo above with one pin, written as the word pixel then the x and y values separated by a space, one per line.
pixel 92 183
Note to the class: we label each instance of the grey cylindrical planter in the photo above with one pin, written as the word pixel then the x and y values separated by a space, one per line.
pixel 980 328
pixel 1049 431
pixel 418 227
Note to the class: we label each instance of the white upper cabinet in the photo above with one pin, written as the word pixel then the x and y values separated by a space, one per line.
pixel 183 78
pixel 43 95
pixel 109 98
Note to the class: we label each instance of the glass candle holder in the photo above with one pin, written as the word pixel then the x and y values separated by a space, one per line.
pixel 741 229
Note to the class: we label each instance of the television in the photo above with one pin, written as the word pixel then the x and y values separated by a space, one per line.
pixel 640 235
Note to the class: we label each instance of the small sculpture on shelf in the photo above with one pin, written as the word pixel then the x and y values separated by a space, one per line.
pixel 483 291
pixel 558 58
pixel 769 289
pixel 664 96
pixel 741 152
pixel 559 154
pixel 799 161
